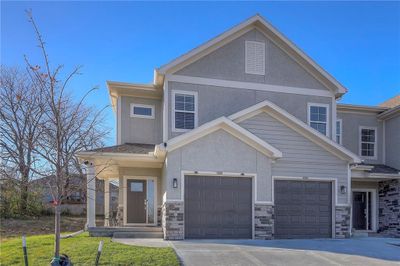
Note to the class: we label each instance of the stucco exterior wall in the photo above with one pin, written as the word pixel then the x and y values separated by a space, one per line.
pixel 351 123
pixel 140 130
pixel 214 102
pixel 301 157
pixel 228 63
pixel 218 152
pixel 392 132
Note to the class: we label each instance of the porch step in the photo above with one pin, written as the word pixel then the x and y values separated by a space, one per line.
pixel 110 231
pixel 139 234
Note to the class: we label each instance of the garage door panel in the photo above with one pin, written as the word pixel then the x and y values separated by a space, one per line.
pixel 303 209
pixel 222 207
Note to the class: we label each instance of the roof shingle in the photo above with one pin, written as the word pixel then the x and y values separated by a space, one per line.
pixel 134 148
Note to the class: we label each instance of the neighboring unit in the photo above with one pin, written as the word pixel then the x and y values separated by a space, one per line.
pixel 242 137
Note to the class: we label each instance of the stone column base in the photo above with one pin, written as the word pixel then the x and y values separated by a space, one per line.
pixel 172 220
pixel 342 221
pixel 120 216
pixel 389 208
pixel 263 221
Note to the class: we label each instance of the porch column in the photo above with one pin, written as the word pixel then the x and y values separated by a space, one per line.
pixel 91 196
pixel 106 202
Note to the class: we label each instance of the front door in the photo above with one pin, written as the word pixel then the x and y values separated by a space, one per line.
pixel 362 210
pixel 136 201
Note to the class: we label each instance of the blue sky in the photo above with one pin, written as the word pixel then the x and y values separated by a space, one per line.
pixel 357 42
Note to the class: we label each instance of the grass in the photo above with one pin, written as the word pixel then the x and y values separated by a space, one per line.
pixel 82 250
pixel 41 225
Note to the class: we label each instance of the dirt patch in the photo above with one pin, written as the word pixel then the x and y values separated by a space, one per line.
pixel 41 225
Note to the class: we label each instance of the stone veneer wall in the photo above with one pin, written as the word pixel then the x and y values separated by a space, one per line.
pixel 342 221
pixel 172 220
pixel 389 207
pixel 263 221
pixel 120 216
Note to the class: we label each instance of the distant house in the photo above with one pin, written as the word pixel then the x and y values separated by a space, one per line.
pixel 75 201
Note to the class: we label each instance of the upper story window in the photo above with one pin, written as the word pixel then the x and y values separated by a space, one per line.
pixel 255 58
pixel 318 117
pixel 339 131
pixel 184 114
pixel 368 142
pixel 142 110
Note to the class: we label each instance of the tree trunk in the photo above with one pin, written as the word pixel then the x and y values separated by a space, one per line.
pixel 57 230
pixel 24 189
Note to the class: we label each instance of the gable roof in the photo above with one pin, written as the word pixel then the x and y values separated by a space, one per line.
pixel 298 126
pixel 392 102
pixel 278 38
pixel 231 128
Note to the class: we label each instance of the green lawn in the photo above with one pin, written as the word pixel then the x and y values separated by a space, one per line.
pixel 82 250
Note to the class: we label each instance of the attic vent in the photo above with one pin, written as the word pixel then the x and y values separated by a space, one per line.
pixel 255 58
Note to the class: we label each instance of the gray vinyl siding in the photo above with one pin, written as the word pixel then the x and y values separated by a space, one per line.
pixel 140 130
pixel 301 157
pixel 351 123
pixel 218 152
pixel 214 102
pixel 228 63
pixel 392 132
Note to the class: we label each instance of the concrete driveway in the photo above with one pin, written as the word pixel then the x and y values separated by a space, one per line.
pixel 355 251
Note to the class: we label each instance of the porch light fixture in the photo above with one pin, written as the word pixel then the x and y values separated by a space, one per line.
pixel 175 183
pixel 343 189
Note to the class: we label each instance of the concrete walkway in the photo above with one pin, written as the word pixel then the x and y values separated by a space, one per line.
pixel 355 251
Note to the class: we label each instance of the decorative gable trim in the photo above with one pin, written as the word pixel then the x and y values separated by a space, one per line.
pixel 292 122
pixel 230 127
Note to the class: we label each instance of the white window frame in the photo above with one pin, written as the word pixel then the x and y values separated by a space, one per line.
pixel 245 59
pixel 360 128
pixel 196 110
pixel 327 116
pixel 341 131
pixel 152 107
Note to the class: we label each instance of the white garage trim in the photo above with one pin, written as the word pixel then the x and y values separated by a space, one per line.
pixel 299 178
pixel 253 176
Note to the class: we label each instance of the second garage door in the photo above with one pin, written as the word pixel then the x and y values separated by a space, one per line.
pixel 303 209
pixel 218 207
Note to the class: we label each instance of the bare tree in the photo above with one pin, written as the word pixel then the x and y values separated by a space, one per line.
pixel 68 127
pixel 21 111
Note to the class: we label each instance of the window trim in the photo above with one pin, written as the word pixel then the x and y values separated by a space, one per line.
pixel 326 105
pixel 247 71
pixel 196 110
pixel 341 131
pixel 375 157
pixel 133 105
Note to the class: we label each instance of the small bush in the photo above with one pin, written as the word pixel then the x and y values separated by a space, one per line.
pixel 10 202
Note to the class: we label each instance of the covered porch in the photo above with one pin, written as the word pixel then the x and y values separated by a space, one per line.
pixel 136 170
pixel 375 200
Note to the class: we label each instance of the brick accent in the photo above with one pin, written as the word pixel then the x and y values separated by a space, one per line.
pixel 172 220
pixel 389 207
pixel 263 221
pixel 342 221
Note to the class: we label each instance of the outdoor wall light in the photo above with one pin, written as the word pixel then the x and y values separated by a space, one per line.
pixel 343 189
pixel 175 183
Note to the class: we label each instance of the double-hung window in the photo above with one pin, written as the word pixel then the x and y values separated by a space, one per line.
pixel 184 110
pixel 368 142
pixel 318 117
pixel 339 131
